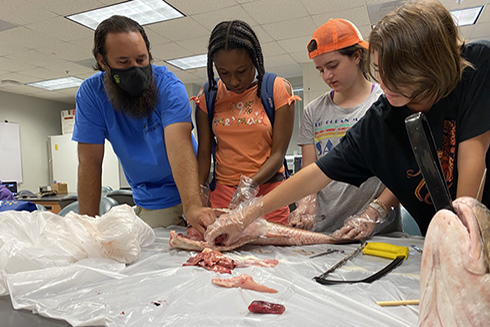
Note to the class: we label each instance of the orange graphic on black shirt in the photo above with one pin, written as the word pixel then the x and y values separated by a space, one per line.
pixel 446 157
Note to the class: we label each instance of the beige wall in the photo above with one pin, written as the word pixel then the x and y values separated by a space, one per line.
pixel 313 84
pixel 38 119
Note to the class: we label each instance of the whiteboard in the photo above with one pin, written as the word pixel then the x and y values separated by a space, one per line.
pixel 63 162
pixel 10 154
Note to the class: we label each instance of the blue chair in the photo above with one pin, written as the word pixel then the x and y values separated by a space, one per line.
pixel 105 205
pixel 409 225
pixel 66 200
pixel 122 196
pixel 105 190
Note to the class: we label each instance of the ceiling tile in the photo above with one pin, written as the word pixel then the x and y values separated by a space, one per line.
pixel 481 31
pixel 277 61
pixel 200 6
pixel 179 29
pixel 64 7
pixel 35 57
pixel 61 29
pixel 27 37
pixel 21 12
pixel 316 7
pixel 358 16
pixel 296 44
pixel 7 48
pixel 67 51
pixel 226 14
pixel 270 49
pixel 17 77
pixel 40 74
pixel 85 44
pixel 66 68
pixel 276 10
pixel 287 71
pixel 14 65
pixel 291 29
pixel 196 46
pixel 300 57
pixel 169 51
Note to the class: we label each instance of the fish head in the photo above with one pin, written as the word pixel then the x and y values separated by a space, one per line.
pixel 476 218
pixel 454 275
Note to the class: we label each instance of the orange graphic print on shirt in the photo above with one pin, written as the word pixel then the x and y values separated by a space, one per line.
pixel 239 114
pixel 242 129
pixel 446 157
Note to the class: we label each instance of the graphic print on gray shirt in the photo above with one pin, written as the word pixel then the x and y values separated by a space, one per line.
pixel 324 124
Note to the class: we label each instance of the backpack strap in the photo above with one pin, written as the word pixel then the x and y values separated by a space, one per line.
pixel 267 97
pixel 210 97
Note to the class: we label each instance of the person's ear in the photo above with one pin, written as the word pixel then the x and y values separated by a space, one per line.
pixel 357 56
pixel 101 61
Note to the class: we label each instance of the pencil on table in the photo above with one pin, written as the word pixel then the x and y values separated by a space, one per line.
pixel 396 303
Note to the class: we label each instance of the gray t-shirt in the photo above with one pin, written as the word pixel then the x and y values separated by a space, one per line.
pixel 324 124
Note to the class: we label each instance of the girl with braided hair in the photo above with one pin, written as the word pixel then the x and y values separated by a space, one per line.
pixel 249 149
pixel 423 66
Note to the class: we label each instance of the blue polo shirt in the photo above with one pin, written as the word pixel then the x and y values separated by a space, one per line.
pixel 138 143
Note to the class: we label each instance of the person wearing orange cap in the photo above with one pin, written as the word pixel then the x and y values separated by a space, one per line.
pixel 339 54
pixel 423 66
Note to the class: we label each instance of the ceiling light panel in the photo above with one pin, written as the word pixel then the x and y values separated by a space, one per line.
pixel 58 84
pixel 143 11
pixel 467 16
pixel 190 62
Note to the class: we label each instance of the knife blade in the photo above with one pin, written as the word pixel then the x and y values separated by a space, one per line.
pixel 425 152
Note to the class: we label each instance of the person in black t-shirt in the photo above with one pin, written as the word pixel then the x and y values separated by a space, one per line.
pixel 422 65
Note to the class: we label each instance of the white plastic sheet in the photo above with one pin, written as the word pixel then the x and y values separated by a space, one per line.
pixel 157 290
pixel 41 239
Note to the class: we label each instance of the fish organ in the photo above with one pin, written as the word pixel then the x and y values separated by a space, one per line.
pixel 454 276
pixel 266 307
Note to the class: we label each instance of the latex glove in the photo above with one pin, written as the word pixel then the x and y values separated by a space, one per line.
pixel 228 227
pixel 246 190
pixel 204 194
pixel 199 218
pixel 305 213
pixel 363 226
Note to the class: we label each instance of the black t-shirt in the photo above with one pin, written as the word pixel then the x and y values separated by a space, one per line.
pixel 378 144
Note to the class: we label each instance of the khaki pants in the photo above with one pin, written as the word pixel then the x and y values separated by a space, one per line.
pixel 161 217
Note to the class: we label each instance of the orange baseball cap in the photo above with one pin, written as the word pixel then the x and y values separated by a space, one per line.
pixel 334 35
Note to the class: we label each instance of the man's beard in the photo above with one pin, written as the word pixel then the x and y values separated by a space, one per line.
pixel 135 107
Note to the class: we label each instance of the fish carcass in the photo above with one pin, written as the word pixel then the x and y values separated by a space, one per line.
pixel 271 234
pixel 454 277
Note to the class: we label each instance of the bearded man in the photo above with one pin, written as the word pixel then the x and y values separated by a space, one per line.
pixel 144 112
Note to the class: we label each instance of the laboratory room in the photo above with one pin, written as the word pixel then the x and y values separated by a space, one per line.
pixel 137 190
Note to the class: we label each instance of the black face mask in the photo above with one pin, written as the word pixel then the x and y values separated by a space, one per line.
pixel 133 80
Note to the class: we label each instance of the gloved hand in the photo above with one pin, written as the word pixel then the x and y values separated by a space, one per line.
pixel 199 217
pixel 305 213
pixel 363 226
pixel 228 227
pixel 246 190
pixel 204 194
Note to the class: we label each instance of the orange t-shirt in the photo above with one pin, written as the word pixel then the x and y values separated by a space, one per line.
pixel 242 129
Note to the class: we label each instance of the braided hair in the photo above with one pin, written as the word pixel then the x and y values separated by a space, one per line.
pixel 235 34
